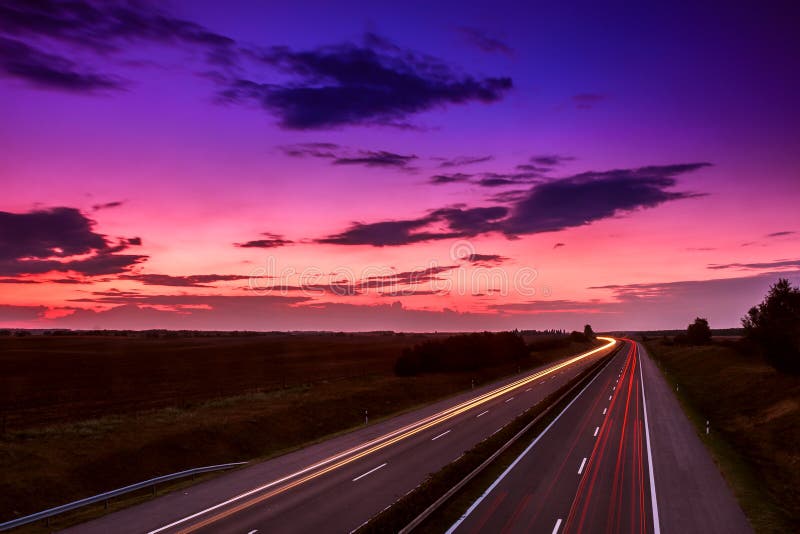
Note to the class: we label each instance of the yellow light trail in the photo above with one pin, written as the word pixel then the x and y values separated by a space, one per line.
pixel 364 449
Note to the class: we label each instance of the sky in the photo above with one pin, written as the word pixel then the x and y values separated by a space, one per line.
pixel 363 166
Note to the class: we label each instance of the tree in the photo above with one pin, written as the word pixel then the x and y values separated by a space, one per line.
pixel 698 333
pixel 588 332
pixel 774 326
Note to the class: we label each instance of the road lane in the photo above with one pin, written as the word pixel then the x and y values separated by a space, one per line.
pixel 320 477
pixel 645 468
pixel 585 473
pixel 692 495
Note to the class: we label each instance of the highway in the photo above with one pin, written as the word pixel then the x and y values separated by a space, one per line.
pixel 619 458
pixel 337 485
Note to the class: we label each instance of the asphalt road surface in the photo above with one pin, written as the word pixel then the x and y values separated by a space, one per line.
pixel 622 457
pixel 337 485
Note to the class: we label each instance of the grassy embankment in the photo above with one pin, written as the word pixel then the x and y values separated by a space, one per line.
pixel 88 414
pixel 755 425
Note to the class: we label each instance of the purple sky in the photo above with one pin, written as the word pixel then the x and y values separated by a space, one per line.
pixel 359 166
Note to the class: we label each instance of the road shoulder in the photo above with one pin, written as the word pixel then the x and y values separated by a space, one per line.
pixel 692 494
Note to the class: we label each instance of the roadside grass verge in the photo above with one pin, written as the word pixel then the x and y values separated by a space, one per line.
pixel 754 414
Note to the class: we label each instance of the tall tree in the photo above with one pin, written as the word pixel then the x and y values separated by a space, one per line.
pixel 774 325
pixel 698 333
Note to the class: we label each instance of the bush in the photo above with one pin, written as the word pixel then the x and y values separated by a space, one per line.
pixel 461 353
pixel 698 333
pixel 578 337
pixel 588 333
pixel 774 326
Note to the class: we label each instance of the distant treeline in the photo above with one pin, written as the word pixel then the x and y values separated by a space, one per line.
pixel 675 332
pixel 467 352
pixel 164 333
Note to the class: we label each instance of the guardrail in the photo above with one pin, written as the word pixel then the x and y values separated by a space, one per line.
pixel 104 497
pixel 417 521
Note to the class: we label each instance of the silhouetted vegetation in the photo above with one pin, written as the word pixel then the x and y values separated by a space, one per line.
pixel 467 352
pixel 588 333
pixel 578 337
pixel 698 333
pixel 774 326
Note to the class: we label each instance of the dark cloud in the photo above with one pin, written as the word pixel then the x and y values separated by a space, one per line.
pixel 100 264
pixel 587 100
pixel 57 239
pixel 463 160
pixel 550 160
pixel 781 234
pixel 409 293
pixel 480 40
pixel 18 281
pixel 194 280
pixel 50 71
pixel 314 150
pixel 588 197
pixel 386 233
pixel 270 241
pixel 456 222
pixel 493 179
pixel 441 179
pixel 379 158
pixel 468 222
pixel 104 28
pixel 405 278
pixel 108 205
pixel 348 84
pixel 509 197
pixel 485 259
pixel 559 245
pixel 339 155
pixel 778 264
pixel 546 207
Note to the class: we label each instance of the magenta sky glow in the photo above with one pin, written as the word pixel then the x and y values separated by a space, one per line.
pixel 366 167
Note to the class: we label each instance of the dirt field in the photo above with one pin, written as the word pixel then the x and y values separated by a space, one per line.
pixel 54 379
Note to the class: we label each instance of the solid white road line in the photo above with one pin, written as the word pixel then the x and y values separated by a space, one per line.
pixel 558 524
pixel 482 413
pixel 509 400
pixel 527 390
pixel 252 532
pixel 497 481
pixel 653 500
pixel 442 434
pixel 359 477
pixel 596 430
pixel 605 410
pixel 580 469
